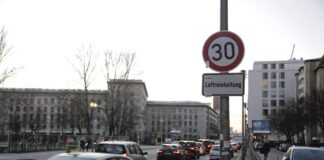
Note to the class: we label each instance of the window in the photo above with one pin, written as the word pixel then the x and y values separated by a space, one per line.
pixel 265 112
pixel 282 75
pixel 273 111
pixel 265 103
pixel 264 75
pixel 273 66
pixel 282 103
pixel 273 103
pixel 265 84
pixel 273 75
pixel 281 66
pixel 265 66
pixel 282 94
pixel 273 94
pixel 264 94
pixel 282 84
pixel 273 84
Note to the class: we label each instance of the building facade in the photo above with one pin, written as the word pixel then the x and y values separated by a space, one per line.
pixel 49 111
pixel 310 78
pixel 180 120
pixel 271 85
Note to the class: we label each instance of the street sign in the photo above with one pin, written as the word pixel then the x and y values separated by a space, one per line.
pixel 220 84
pixel 223 51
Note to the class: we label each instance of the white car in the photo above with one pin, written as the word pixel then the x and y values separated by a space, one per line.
pixel 88 156
pixel 304 153
pixel 131 149
pixel 214 152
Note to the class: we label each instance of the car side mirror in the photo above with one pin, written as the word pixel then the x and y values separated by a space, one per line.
pixel 145 153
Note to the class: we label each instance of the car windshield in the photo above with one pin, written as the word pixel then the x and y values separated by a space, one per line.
pixel 216 148
pixel 307 154
pixel 111 148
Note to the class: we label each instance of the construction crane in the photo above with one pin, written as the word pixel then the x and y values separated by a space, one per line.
pixel 292 53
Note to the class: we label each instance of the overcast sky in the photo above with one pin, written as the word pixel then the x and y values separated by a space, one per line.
pixel 166 35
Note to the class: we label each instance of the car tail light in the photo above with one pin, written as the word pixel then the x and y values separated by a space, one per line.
pixel 176 152
pixel 192 148
pixel 160 152
pixel 209 146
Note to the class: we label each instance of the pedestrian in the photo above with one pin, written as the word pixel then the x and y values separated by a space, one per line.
pixel 82 143
pixel 265 149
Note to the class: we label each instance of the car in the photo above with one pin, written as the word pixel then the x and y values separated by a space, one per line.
pixel 171 152
pixel 214 152
pixel 190 148
pixel 207 143
pixel 257 146
pixel 201 148
pixel 88 156
pixel 129 148
pixel 304 153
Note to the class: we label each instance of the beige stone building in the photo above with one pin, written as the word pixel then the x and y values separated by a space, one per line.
pixel 180 120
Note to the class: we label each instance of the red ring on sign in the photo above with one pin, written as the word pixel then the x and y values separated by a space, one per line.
pixel 239 57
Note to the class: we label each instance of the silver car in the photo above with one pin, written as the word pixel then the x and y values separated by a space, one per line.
pixel 304 153
pixel 88 156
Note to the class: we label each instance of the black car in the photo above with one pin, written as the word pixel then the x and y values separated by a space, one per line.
pixel 191 149
pixel 170 152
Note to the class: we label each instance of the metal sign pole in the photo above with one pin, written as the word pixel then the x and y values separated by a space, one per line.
pixel 224 100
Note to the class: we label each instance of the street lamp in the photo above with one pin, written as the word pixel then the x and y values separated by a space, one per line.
pixel 93 104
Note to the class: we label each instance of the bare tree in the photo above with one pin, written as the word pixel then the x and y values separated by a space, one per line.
pixel 5 73
pixel 290 121
pixel 117 67
pixel 85 68
pixel 314 105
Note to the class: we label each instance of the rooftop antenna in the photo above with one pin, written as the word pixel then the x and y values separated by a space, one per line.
pixel 292 53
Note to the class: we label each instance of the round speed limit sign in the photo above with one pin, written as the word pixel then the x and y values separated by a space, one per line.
pixel 223 51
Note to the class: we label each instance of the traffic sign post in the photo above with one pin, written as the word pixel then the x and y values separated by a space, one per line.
pixel 222 52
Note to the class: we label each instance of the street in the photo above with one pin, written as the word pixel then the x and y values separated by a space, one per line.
pixel 151 150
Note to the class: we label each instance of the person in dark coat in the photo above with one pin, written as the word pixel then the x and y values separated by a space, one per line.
pixel 82 143
pixel 265 149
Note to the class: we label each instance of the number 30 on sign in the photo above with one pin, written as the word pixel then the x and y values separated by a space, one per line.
pixel 223 51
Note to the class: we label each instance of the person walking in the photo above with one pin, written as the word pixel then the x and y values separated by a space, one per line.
pixel 265 149
pixel 82 143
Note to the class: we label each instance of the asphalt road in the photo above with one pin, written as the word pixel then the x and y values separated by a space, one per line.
pixel 152 150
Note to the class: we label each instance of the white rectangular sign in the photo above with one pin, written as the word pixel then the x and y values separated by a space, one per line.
pixel 218 84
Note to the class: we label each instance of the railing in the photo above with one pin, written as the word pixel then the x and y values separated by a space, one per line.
pixel 35 142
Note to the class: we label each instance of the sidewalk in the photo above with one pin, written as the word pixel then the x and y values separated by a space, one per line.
pixel 274 154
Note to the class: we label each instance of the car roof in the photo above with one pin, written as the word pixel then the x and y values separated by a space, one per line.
pixel 117 142
pixel 306 148
pixel 95 155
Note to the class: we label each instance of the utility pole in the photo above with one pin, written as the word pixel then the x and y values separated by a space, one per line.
pixel 224 100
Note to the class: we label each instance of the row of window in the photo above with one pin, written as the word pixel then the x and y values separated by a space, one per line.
pixel 265 112
pixel 273 84
pixel 179 123
pixel 273 103
pixel 39 101
pixel 273 75
pixel 273 94
pixel 175 116
pixel 178 110
pixel 273 66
